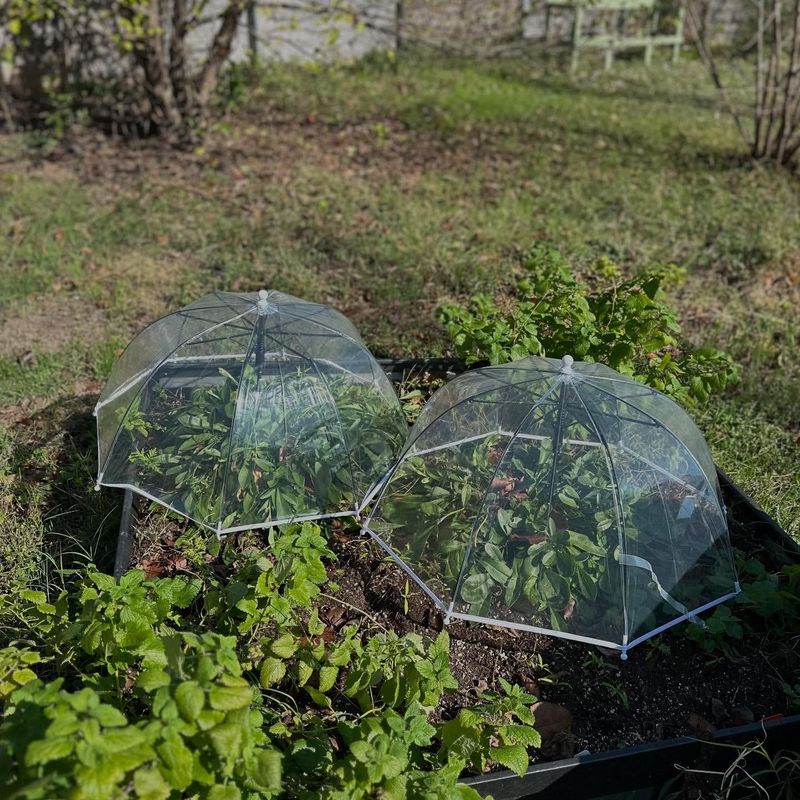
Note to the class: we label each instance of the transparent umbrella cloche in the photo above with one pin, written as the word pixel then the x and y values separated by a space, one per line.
pixel 559 498
pixel 247 410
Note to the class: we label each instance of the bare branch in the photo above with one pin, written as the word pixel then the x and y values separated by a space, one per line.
pixel 791 92
pixel 773 79
pixel 706 55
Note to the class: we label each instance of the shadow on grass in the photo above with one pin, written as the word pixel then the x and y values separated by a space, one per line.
pixel 56 464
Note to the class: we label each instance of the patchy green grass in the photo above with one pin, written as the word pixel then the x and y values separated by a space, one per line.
pixel 757 454
pixel 386 189
pixel 48 375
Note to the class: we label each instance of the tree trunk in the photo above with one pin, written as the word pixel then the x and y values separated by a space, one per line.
pixel 220 50
pixel 149 54
pixel 181 88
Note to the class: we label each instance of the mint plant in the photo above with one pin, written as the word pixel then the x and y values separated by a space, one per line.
pixel 400 671
pixel 500 729
pixel 16 669
pixel 200 737
pixel 146 689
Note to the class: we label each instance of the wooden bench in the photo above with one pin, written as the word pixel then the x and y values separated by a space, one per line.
pixel 614 38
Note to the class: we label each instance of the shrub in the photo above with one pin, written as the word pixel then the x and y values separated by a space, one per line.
pixel 627 324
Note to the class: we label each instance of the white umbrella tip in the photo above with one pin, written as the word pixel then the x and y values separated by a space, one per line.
pixel 263 305
pixel 566 363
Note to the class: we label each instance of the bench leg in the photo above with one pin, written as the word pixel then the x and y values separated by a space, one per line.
pixel 576 36
pixel 676 48
pixel 608 62
pixel 653 29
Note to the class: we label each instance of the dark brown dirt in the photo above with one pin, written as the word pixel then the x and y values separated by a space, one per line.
pixel 267 144
pixel 46 323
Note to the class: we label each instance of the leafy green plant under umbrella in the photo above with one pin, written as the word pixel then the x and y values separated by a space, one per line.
pixel 242 411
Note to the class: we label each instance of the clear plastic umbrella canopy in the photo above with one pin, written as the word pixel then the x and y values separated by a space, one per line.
pixel 558 498
pixel 246 410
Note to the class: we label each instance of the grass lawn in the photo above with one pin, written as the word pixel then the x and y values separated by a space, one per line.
pixel 385 189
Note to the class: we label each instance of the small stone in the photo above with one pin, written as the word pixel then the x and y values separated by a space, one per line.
pixel 27 359
pixel 552 720
pixel 719 712
pixel 741 715
pixel 700 725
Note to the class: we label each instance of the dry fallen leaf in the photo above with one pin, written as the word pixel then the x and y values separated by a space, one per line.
pixel 152 568
pixel 180 562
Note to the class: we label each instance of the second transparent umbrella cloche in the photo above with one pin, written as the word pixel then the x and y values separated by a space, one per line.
pixel 561 498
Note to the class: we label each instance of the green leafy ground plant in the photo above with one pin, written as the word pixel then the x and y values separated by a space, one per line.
pixel 191 687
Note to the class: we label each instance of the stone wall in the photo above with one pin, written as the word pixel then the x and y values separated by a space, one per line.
pixel 479 27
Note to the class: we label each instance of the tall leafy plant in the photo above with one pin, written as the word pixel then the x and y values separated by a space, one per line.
pixel 626 323
pixel 226 461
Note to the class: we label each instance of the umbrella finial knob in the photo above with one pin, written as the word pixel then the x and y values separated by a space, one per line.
pixel 566 364
pixel 263 304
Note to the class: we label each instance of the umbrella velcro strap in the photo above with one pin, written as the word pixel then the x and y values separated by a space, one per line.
pixel 628 560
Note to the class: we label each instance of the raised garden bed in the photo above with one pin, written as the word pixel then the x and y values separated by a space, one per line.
pixel 619 728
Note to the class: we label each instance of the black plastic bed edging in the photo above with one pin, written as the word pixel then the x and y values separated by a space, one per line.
pixel 634 773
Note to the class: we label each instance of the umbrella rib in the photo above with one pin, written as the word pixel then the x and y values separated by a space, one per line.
pixel 239 401
pixel 483 392
pixel 620 515
pixel 659 424
pixel 556 446
pixel 335 408
pixel 321 325
pixel 379 488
